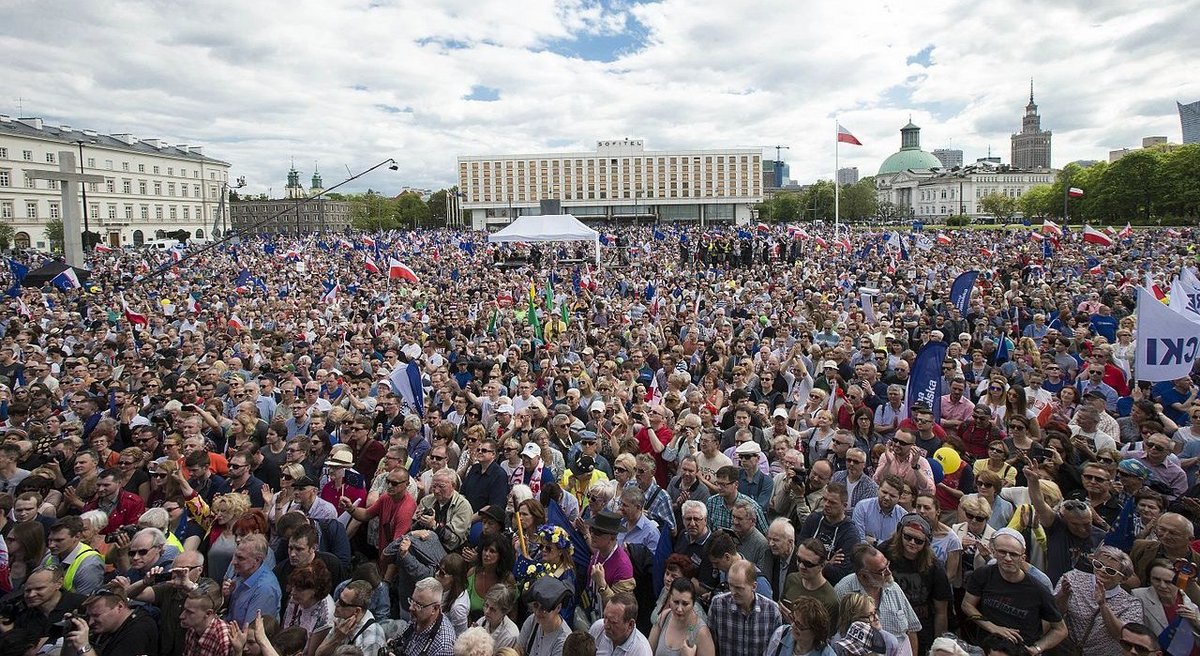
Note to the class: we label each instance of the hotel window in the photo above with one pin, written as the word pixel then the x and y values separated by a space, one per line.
pixel 54 214
pixel 50 158
pixel 31 209
pixel 27 155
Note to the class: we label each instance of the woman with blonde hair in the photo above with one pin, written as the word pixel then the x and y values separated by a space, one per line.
pixel 975 536
pixel 284 501
pixel 623 469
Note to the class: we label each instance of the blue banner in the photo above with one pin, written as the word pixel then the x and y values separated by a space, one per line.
pixel 960 292
pixel 925 379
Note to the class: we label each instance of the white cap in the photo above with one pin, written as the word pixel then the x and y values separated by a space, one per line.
pixel 750 448
pixel 532 450
pixel 597 405
pixel 505 409
pixel 780 412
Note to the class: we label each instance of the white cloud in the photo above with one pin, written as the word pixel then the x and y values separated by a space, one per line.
pixel 347 83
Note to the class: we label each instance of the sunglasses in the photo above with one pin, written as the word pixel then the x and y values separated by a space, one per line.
pixel 1098 566
pixel 138 553
pixel 978 518
pixel 898 442
pixel 804 564
pixel 914 539
pixel 1156 447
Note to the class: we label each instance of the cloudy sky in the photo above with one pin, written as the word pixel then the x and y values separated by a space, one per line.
pixel 345 84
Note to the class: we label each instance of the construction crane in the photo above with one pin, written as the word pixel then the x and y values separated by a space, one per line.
pixel 778 164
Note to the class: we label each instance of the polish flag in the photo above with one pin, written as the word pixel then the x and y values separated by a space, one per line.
pixel 1172 232
pixel 844 242
pixel 986 252
pixel 371 268
pixel 1051 228
pixel 762 227
pixel 134 317
pixel 821 241
pixel 1110 231
pixel 367 241
pixel 1126 232
pixel 943 238
pixel 1153 287
pixel 236 323
pixel 397 270
pixel 1075 192
pixel 101 248
pixel 1037 236
pixel 844 136
pixel 1094 236
pixel 193 305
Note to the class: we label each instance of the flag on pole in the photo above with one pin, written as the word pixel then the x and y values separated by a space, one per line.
pixel 397 270
pixel 19 271
pixel 1094 236
pixel 367 241
pixel 1051 228
pixel 1094 266
pixel 406 381
pixel 1155 289
pixel 943 238
pixel 1126 232
pixel 1037 236
pixel 193 305
pixel 1167 345
pixel 331 291
pixel 235 322
pixel 101 248
pixel 844 136
pixel 1075 192
pixel 371 267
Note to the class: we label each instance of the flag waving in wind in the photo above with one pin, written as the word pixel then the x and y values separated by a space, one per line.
pixel 844 136
pixel 397 270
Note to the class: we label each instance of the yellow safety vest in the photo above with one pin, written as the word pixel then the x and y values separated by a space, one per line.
pixel 69 577
pixel 173 541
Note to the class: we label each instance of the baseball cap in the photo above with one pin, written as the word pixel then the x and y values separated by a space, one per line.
pixel 532 450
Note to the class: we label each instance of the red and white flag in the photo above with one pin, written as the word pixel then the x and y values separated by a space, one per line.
pixel 1126 232
pixel 1172 232
pixel 943 238
pixel 1075 192
pixel 844 136
pixel 193 305
pixel 132 317
pixel 844 242
pixel 101 248
pixel 1094 236
pixel 821 241
pixel 236 323
pixel 371 268
pixel 1051 228
pixel 367 241
pixel 398 270
pixel 985 251
pixel 1037 236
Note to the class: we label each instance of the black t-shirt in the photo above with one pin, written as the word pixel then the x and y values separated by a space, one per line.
pixel 1023 605
pixel 1063 549
pixel 137 636
pixel 921 588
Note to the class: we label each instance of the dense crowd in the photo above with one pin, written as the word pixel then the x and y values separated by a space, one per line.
pixel 422 444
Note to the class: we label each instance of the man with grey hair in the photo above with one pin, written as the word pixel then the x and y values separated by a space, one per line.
pixel 858 483
pixel 752 544
pixel 254 588
pixel 781 545
pixel 444 512
pixel 1003 600
pixel 428 632
pixel 693 542
pixel 147 549
pixel 355 625
pixel 638 528
pixel 170 595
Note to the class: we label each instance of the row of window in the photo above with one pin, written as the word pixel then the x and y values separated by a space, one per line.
pixel 143 186
pixel 52 158
pixel 161 213
pixel 591 162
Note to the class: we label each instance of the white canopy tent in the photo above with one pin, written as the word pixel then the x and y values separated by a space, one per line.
pixel 554 227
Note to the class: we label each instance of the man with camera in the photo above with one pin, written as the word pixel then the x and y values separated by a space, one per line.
pixel 109 627
pixel 122 507
pixel 44 600
pixel 167 589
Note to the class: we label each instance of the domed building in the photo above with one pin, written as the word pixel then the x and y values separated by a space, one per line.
pixel 904 169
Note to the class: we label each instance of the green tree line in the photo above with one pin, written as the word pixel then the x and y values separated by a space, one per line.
pixel 858 201
pixel 374 211
pixel 1151 185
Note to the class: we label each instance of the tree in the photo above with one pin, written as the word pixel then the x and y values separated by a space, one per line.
pixel 1001 206
pixel 1180 184
pixel 889 211
pixel 54 234
pixel 7 234
pixel 1037 202
pixel 372 212
pixel 859 201
pixel 411 210
pixel 437 207
pixel 1130 186
pixel 818 199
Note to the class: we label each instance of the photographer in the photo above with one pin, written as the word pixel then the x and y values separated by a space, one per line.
pixel 44 601
pixel 168 589
pixel 110 628
pixel 83 565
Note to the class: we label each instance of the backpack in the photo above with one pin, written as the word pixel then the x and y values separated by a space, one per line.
pixel 642 560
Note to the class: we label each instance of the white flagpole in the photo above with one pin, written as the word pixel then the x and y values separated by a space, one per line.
pixel 837 217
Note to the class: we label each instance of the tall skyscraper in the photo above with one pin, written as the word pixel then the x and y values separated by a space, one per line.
pixel 1189 120
pixel 949 158
pixel 1031 146
pixel 847 176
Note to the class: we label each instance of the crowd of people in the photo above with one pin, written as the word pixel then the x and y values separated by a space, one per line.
pixel 702 445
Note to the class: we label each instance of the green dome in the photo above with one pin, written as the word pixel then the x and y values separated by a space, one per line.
pixel 905 159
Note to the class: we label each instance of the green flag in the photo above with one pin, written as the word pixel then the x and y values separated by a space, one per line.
pixel 533 320
pixel 491 327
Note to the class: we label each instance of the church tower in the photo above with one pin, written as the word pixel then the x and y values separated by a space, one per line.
pixel 317 187
pixel 1031 146
pixel 294 189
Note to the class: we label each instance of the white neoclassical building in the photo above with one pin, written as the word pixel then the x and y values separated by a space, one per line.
pixel 619 181
pixel 150 187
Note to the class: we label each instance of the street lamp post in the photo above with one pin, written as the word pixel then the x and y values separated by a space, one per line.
pixel 83 188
